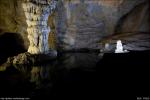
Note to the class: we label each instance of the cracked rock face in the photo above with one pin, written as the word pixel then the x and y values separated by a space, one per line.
pixel 37 12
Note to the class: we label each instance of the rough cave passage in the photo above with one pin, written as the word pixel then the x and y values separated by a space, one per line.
pixel 37 13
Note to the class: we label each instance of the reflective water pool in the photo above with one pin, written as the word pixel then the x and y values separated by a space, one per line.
pixel 76 75
pixel 69 71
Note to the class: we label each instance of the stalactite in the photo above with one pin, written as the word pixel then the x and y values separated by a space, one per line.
pixel 37 12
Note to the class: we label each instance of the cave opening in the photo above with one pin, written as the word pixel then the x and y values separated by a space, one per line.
pixel 11 44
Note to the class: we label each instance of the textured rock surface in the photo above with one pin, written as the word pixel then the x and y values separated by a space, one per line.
pixel 137 42
pixel 81 23
pixel 37 13
pixel 131 41
pixel 136 20
pixel 12 19
pixel 29 59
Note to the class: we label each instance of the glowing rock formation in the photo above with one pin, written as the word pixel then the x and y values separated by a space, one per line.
pixel 119 47
pixel 37 12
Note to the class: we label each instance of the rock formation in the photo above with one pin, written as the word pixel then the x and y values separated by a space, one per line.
pixel 83 23
pixel 131 41
pixel 37 13
pixel 79 23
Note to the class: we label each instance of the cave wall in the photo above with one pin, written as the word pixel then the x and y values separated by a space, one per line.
pixel 83 23
pixel 12 19
pixel 79 24
pixel 136 20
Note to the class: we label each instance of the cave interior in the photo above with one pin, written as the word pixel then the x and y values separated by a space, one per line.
pixel 67 48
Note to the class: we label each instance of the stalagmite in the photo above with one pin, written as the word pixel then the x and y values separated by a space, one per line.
pixel 119 47
pixel 37 12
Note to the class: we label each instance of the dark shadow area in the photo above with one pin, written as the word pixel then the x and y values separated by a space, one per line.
pixel 11 44
pixel 75 75
pixel 82 50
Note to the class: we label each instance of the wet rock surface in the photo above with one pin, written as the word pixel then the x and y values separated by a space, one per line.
pixel 29 59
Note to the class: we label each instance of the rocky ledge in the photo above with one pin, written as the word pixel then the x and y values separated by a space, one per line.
pixel 30 59
pixel 131 42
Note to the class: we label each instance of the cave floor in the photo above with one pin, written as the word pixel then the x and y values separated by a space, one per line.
pixel 80 75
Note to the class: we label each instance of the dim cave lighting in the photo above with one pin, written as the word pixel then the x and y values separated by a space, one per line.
pixel 74 49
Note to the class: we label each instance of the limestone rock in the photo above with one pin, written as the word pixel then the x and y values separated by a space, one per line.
pixel 136 20
pixel 12 19
pixel 77 23
pixel 30 59
pixel 83 23
pixel 37 13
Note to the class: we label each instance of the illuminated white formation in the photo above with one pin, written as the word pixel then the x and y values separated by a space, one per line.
pixel 37 12
pixel 119 47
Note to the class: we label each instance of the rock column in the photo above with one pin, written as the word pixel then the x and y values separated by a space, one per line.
pixel 37 12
